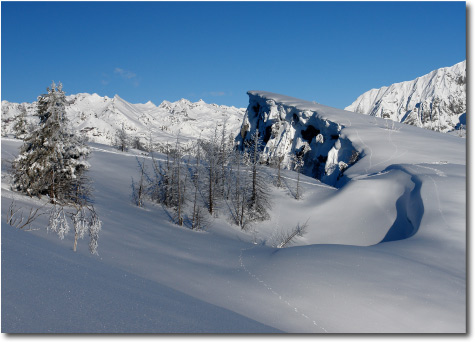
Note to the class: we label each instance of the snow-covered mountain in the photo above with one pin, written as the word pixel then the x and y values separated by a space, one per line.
pixel 100 117
pixel 436 101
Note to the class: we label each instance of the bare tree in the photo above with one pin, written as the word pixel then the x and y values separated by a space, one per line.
pixel 285 239
pixel 298 163
pixel 259 200
pixel 276 160
pixel 122 139
pixel 180 193
pixel 195 222
pixel 138 189
pixel 18 219
pixel 210 156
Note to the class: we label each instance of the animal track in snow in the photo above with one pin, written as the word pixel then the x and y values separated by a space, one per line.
pixel 263 283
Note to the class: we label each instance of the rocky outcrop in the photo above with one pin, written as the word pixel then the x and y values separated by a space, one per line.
pixel 287 130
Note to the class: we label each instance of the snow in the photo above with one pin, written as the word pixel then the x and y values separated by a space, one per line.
pixel 436 101
pixel 152 276
pixel 100 117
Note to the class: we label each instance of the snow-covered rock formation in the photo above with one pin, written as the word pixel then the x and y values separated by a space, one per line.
pixel 287 130
pixel 100 117
pixel 436 101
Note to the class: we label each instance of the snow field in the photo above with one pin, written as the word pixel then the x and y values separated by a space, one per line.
pixel 408 188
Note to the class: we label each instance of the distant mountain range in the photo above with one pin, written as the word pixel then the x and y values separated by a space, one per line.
pixel 99 118
pixel 436 101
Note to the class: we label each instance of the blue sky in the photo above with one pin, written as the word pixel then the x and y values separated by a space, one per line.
pixel 317 51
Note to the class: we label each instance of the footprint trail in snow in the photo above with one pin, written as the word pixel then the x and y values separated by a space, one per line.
pixel 264 284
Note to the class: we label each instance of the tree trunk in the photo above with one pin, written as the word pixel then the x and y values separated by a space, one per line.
pixel 210 199
pixel 75 241
pixel 297 195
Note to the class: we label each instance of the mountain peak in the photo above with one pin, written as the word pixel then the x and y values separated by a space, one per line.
pixel 434 101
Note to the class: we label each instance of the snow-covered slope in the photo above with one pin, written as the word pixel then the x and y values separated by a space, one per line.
pixel 383 253
pixel 436 101
pixel 100 117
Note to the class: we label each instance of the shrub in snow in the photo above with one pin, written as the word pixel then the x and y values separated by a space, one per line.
pixel 285 239
pixel 80 225
pixel 57 221
pixel 84 220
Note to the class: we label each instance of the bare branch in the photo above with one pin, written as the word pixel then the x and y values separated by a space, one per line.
pixel 16 218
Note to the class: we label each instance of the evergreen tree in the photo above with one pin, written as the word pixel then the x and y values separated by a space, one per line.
pixel 20 127
pixel 52 159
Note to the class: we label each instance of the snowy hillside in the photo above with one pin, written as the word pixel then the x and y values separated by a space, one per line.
pixel 437 101
pixel 384 251
pixel 100 117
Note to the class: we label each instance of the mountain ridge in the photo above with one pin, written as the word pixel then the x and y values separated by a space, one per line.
pixel 435 101
pixel 99 117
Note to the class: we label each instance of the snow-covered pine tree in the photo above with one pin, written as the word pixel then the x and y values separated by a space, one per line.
pixel 52 158
pixel 20 127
